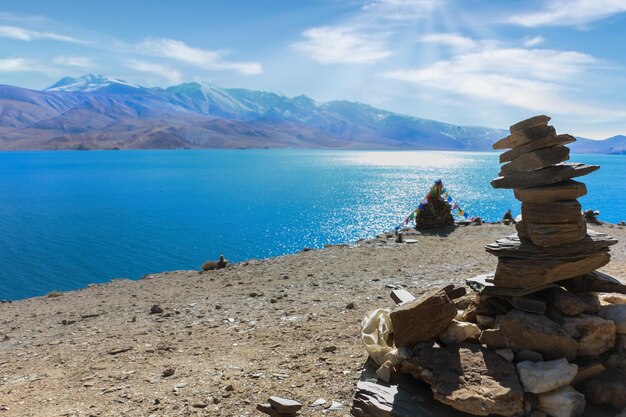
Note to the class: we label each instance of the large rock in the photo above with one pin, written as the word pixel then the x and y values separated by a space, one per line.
pixel 545 142
pixel 561 191
pixel 562 402
pixel 548 235
pixel 617 314
pixel 608 387
pixel 537 159
pixel 522 137
pixel 554 212
pixel 514 247
pixel 522 273
pixel 538 377
pixel 518 330
pixel 595 281
pixel 422 319
pixel 469 378
pixel 549 175
pixel 593 334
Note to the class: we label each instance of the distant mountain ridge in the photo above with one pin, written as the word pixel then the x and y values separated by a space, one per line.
pixel 99 112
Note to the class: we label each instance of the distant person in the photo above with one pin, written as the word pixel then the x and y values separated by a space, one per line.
pixel 508 217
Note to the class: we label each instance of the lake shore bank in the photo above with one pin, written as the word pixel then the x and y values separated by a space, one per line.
pixel 220 342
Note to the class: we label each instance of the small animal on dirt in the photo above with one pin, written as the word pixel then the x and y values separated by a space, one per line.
pixel 211 265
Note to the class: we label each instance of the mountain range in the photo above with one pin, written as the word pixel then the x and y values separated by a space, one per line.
pixel 98 112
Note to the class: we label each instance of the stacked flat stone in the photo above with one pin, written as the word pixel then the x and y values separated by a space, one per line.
pixel 551 216
pixel 436 214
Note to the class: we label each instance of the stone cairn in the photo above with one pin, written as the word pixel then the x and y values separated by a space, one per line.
pixel 545 334
pixel 436 214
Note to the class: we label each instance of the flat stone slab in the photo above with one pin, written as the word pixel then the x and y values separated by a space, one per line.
pixel 540 158
pixel 422 319
pixel 548 235
pixel 483 284
pixel 545 142
pixel 561 191
pixel 595 281
pixel 523 273
pixel 526 331
pixel 403 396
pixel 530 122
pixel 469 378
pixel 556 212
pixel 284 404
pixel 522 137
pixel 550 175
pixel 513 247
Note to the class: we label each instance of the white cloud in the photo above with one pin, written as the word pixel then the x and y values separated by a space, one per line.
pixel 532 79
pixel 202 58
pixel 169 74
pixel 570 13
pixel 21 34
pixel 534 41
pixel 451 39
pixel 342 45
pixel 16 65
pixel 73 61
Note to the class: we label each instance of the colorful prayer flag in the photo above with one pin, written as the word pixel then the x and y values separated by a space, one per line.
pixel 455 206
pixel 465 215
pixel 449 199
pixel 461 212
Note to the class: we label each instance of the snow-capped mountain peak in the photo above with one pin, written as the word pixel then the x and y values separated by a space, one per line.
pixel 90 83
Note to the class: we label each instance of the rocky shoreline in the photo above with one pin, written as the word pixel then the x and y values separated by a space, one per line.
pixel 218 343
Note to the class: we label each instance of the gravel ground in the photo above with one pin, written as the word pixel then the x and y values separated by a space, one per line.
pixel 220 342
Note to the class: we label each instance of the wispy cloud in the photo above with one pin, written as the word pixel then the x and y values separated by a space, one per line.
pixel 570 13
pixel 533 79
pixel 73 61
pixel 202 58
pixel 170 74
pixel 342 45
pixel 450 39
pixel 23 34
pixel 16 65
pixel 534 41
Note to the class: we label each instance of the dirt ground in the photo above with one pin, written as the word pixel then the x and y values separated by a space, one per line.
pixel 225 340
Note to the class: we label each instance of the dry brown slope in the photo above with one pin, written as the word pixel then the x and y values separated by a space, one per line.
pixel 278 326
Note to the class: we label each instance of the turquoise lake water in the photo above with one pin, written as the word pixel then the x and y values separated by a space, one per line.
pixel 72 218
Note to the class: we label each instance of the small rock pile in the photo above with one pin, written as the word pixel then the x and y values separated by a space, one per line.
pixel 280 407
pixel 546 333
pixel 436 214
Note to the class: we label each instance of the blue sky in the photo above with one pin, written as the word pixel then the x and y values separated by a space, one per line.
pixel 468 62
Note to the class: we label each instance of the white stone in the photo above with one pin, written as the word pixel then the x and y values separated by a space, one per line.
pixel 617 314
pixel 538 377
pixel 612 298
pixel 562 402
pixel 458 332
